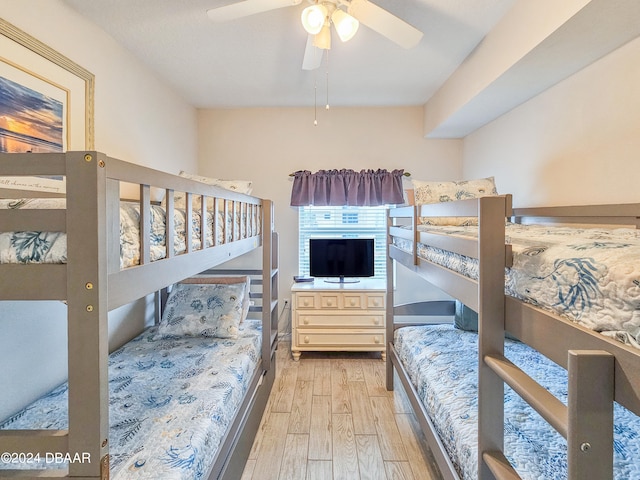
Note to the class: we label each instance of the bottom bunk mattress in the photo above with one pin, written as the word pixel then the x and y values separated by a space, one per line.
pixel 442 363
pixel 171 402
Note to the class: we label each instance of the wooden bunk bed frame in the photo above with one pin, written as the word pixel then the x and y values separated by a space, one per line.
pixel 92 284
pixel 592 360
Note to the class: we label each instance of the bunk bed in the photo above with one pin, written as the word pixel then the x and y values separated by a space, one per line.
pixel 533 392
pixel 174 246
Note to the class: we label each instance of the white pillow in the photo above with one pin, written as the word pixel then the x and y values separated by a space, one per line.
pixel 426 192
pixel 240 186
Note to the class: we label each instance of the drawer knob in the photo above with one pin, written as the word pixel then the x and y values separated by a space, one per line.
pixel 376 321
pixel 376 302
pixel 376 339
pixel 305 320
pixel 305 302
pixel 306 339
pixel 353 302
pixel 330 303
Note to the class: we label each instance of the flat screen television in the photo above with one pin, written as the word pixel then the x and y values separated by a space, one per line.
pixel 341 258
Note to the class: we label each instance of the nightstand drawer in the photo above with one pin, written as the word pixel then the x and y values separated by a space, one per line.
pixel 376 300
pixel 311 320
pixel 374 340
pixel 329 301
pixel 305 300
pixel 352 301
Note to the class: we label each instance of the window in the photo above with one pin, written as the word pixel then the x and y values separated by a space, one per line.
pixel 343 222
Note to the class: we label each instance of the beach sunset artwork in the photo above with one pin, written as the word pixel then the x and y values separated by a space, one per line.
pixel 30 121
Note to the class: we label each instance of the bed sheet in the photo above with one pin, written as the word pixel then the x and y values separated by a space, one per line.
pixel 442 363
pixel 171 402
pixel 587 275
pixel 51 247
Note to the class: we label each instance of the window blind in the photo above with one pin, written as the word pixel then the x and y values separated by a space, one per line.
pixel 343 222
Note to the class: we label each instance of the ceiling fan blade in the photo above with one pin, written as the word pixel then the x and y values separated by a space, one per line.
pixel 312 55
pixel 385 23
pixel 246 8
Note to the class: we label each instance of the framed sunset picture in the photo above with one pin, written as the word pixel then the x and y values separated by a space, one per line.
pixel 46 99
pixel 31 120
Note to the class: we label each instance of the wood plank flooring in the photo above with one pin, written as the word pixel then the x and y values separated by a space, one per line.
pixel 329 416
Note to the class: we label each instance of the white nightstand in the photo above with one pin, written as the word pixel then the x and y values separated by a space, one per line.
pixel 338 317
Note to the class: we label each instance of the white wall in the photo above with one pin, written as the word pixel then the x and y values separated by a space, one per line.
pixel 266 145
pixel 137 119
pixel 576 143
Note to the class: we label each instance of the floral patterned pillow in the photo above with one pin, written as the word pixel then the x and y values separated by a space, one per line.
pixel 436 192
pixel 244 280
pixel 206 310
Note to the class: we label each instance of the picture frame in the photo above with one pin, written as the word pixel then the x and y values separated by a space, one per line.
pixel 27 61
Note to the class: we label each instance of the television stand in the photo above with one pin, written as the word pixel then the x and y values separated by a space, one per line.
pixel 342 280
pixel 338 317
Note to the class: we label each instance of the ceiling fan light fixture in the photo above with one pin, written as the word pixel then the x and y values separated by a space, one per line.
pixel 314 18
pixel 323 38
pixel 345 24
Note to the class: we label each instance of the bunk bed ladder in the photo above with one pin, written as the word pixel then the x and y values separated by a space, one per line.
pixel 586 423
pixel 589 453
pixel 591 376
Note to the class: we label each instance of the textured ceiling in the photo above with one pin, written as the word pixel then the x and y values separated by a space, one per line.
pixel 256 61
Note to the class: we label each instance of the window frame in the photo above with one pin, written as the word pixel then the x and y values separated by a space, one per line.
pixel 329 222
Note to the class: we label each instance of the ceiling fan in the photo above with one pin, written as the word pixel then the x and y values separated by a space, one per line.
pixel 344 15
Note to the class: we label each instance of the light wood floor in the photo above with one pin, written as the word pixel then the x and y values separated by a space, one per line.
pixel 330 416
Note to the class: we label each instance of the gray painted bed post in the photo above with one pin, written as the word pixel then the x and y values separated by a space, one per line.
pixel 590 415
pixel 491 311
pixel 390 297
pixel 389 303
pixel 269 283
pixel 87 313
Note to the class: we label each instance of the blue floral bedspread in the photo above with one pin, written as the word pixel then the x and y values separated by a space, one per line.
pixel 171 402
pixel 587 275
pixel 442 364
pixel 51 247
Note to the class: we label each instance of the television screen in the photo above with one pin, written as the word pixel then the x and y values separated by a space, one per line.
pixel 341 257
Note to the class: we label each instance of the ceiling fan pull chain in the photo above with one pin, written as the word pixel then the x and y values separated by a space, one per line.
pixel 327 78
pixel 315 105
pixel 315 99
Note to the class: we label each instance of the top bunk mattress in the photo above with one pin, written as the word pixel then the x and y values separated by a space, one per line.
pixel 587 275
pixel 171 402
pixel 51 247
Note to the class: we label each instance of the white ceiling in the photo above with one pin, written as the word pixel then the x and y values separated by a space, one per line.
pixel 256 61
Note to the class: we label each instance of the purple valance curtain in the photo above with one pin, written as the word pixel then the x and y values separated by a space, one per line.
pixel 347 187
